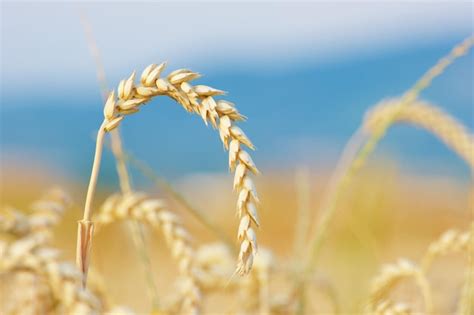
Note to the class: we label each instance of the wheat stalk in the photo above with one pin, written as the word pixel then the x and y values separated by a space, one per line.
pixel 222 115
pixel 360 147
pixel 139 207
pixel 424 115
pixel 390 276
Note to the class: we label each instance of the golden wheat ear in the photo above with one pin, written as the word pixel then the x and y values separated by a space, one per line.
pixel 85 231
pixel 220 113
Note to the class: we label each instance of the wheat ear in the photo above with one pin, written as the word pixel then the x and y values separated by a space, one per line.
pixel 46 213
pixel 139 207
pixel 199 99
pixel 424 115
pixel 64 280
pixel 360 147
pixel 391 275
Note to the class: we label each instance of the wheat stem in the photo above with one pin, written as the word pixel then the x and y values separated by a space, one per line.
pixel 94 173
pixel 338 183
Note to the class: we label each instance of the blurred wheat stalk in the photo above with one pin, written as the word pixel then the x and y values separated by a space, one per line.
pixel 361 145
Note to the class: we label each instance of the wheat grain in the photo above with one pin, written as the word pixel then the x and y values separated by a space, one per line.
pixel 391 275
pixel 429 117
pixel 153 212
pixel 221 114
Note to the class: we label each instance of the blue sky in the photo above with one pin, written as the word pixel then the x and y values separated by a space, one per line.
pixel 303 72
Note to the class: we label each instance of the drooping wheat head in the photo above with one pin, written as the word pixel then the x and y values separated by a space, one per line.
pixel 199 99
pixel 422 114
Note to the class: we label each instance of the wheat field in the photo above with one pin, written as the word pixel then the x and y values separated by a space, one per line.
pixel 359 237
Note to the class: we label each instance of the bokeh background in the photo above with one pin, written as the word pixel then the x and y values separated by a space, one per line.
pixel 303 72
